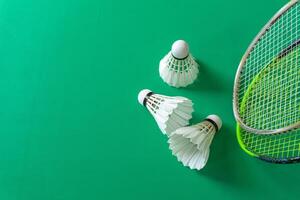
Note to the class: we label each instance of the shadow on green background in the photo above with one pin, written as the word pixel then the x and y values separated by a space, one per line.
pixel 71 126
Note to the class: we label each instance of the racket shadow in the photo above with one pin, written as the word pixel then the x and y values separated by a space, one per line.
pixel 224 164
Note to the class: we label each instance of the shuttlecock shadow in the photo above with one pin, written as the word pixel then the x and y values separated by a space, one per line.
pixel 223 165
pixel 197 117
pixel 206 80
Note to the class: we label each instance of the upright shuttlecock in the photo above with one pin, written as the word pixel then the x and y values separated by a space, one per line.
pixel 178 68
pixel 191 144
pixel 170 113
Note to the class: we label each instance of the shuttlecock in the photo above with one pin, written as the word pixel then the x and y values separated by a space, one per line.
pixel 170 113
pixel 191 145
pixel 178 68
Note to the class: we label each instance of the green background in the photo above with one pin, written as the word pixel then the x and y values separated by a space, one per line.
pixel 71 126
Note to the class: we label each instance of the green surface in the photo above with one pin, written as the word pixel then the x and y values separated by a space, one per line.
pixel 71 126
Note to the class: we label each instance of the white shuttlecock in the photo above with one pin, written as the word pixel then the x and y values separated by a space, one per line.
pixel 170 113
pixel 178 68
pixel 191 144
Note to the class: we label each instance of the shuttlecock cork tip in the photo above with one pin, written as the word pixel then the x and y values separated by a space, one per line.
pixel 180 49
pixel 216 119
pixel 142 95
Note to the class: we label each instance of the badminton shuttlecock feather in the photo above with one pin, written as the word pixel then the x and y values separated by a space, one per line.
pixel 191 145
pixel 178 68
pixel 170 113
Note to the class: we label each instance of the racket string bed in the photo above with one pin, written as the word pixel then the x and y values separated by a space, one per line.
pixel 272 96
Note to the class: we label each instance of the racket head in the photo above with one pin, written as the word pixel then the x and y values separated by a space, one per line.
pixel 276 148
pixel 255 98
